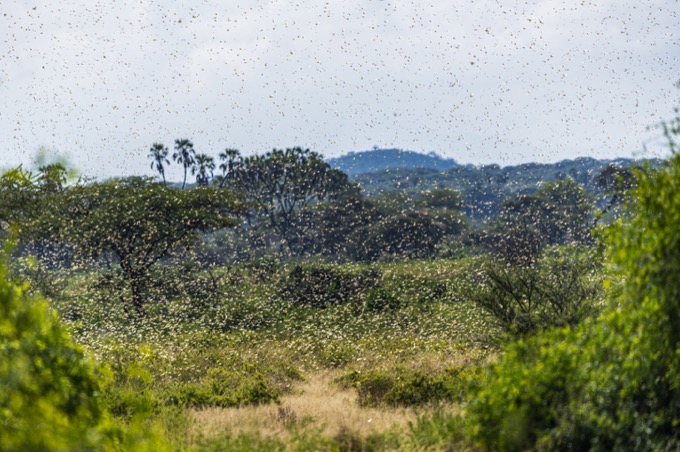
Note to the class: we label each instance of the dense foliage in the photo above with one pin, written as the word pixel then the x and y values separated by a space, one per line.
pixel 49 393
pixel 281 183
pixel 562 287
pixel 611 383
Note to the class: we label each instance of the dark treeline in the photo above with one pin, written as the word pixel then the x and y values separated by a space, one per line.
pixel 300 206
pixel 284 204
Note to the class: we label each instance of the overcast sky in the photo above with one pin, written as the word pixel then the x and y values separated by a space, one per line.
pixel 477 81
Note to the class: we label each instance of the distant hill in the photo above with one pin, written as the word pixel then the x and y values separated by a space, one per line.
pixel 375 160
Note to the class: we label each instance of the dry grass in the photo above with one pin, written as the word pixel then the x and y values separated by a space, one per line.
pixel 318 402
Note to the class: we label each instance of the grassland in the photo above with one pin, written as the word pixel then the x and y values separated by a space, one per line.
pixel 234 364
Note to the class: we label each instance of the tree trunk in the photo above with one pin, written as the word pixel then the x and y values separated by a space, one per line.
pixel 137 299
pixel 135 278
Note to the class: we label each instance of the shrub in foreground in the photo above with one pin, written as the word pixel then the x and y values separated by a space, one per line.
pixel 48 391
pixel 613 383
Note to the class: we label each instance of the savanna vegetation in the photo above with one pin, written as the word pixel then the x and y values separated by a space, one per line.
pixel 273 305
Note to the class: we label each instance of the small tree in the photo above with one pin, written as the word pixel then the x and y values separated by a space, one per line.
pixel 411 234
pixel 552 292
pixel 328 225
pixel 136 221
pixel 557 214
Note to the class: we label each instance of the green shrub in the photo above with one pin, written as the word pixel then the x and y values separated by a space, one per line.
pixel 406 387
pixel 550 292
pixel 436 431
pixel 225 389
pixel 138 391
pixel 240 442
pixel 337 353
pixel 613 383
pixel 417 388
pixel 48 391
pixel 324 286
pixel 378 299
pixel 372 387
pixel 526 394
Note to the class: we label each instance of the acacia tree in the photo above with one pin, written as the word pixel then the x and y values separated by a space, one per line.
pixel 185 155
pixel 159 156
pixel 280 183
pixel 137 222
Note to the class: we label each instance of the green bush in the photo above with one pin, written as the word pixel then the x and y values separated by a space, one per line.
pixel 613 383
pixel 139 389
pixel 554 291
pixel 406 387
pixel 224 388
pixel 240 442
pixel 436 431
pixel 336 353
pixel 48 391
pixel 324 286
pixel 378 299
pixel 371 386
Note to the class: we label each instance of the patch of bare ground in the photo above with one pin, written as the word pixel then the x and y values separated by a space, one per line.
pixel 317 402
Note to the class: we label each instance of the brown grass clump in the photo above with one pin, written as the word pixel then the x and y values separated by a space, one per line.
pixel 317 402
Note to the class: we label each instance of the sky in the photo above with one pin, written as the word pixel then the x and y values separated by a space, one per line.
pixel 480 82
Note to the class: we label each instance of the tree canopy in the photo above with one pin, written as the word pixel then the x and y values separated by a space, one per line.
pixel 280 183
pixel 135 221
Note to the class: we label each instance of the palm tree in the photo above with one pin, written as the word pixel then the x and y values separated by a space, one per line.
pixel 203 168
pixel 185 155
pixel 230 158
pixel 159 156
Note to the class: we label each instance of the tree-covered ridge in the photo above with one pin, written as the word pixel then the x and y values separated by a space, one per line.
pixel 484 188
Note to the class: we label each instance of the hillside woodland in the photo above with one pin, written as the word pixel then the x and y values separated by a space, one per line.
pixel 281 302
